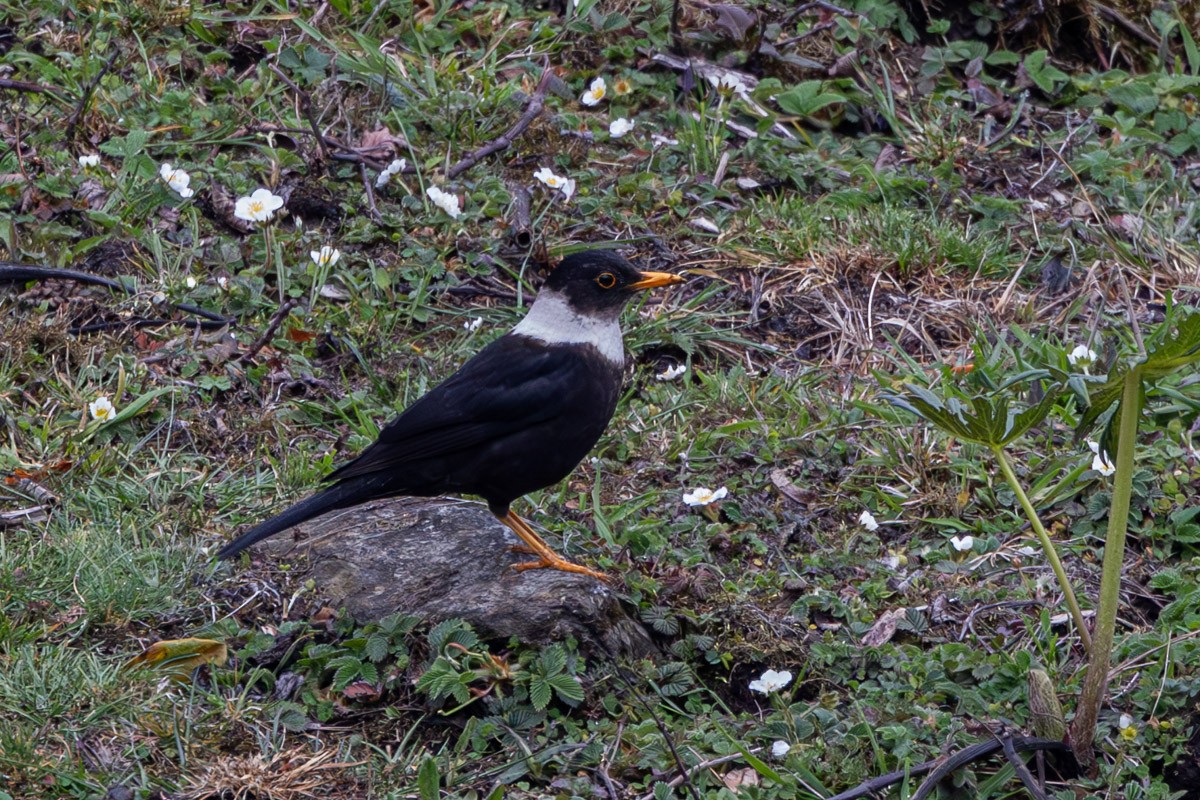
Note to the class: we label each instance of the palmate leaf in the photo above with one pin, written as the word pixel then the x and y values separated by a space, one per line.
pixel 1171 346
pixel 989 421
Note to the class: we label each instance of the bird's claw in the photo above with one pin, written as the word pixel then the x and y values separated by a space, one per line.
pixel 560 564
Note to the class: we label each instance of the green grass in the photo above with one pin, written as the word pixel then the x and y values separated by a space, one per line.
pixel 894 233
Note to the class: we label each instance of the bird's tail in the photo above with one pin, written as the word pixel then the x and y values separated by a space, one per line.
pixel 336 496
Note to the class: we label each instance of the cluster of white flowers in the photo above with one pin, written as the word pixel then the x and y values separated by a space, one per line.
pixel 445 201
pixel 258 207
pixel 391 170
pixel 89 161
pixel 176 179
pixel 564 185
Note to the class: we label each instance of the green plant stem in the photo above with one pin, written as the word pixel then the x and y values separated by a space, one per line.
pixel 1083 727
pixel 1047 546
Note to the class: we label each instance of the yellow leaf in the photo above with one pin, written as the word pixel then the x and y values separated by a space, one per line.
pixel 180 655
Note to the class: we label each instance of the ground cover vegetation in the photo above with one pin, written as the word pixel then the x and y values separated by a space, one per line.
pixel 933 251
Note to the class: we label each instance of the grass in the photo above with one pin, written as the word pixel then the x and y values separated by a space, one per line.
pixel 895 234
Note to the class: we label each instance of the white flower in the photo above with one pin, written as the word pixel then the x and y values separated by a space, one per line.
pixel 1127 727
pixel 701 496
pixel 1027 551
pixel 177 180
pixel 1082 356
pixel 867 520
pixel 780 748
pixel 445 201
pixel 728 82
pixel 190 282
pixel 671 373
pixel 102 409
pixel 962 544
pixel 1100 461
pixel 473 324
pixel 89 161
pixel 223 282
pixel 771 681
pixel 619 127
pixel 394 168
pixel 568 188
pixel 327 256
pixel 258 207
pixel 595 93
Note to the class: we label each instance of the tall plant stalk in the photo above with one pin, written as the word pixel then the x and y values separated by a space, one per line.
pixel 1083 727
pixel 1064 583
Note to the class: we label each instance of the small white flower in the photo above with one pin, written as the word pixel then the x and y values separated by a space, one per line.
pixel 445 201
pixel 771 681
pixel 223 282
pixel 701 496
pixel 564 185
pixel 780 748
pixel 728 82
pixel 1100 461
pixel 176 179
pixel 102 409
pixel 619 127
pixel 473 324
pixel 867 520
pixel 189 282
pixel 595 93
pixel 1082 356
pixel 1127 727
pixel 671 373
pixel 394 168
pixel 258 207
pixel 89 161
pixel 962 544
pixel 381 180
pixel 327 256
pixel 1027 552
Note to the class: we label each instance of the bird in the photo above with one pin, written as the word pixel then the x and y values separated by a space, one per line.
pixel 516 417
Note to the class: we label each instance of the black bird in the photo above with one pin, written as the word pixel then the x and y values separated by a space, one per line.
pixel 515 418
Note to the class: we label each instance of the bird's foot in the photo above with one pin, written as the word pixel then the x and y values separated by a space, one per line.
pixel 561 564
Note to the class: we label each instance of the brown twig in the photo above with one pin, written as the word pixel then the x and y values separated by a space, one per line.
pixel 305 100
pixel 1018 765
pixel 940 768
pixel 86 96
pixel 35 88
pixel 370 190
pixel 502 142
pixel 276 320
pixel 1112 15
pixel 521 228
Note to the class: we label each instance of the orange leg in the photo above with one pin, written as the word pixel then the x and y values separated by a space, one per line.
pixel 546 556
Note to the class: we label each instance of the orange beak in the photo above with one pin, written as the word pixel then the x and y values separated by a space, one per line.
pixel 650 280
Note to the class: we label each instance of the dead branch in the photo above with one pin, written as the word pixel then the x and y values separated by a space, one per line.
pixel 276 320
pixel 533 110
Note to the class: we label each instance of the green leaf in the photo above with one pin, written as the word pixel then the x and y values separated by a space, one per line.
pixel 429 780
pixel 567 688
pixel 806 98
pixel 376 647
pixel 539 693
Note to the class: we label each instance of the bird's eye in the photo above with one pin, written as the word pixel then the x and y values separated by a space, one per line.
pixel 606 280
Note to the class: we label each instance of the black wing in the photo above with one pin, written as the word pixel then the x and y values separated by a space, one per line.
pixel 510 385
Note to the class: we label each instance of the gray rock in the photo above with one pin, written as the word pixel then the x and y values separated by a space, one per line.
pixel 445 558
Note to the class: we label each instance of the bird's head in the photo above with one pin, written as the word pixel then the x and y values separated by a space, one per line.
pixel 600 282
